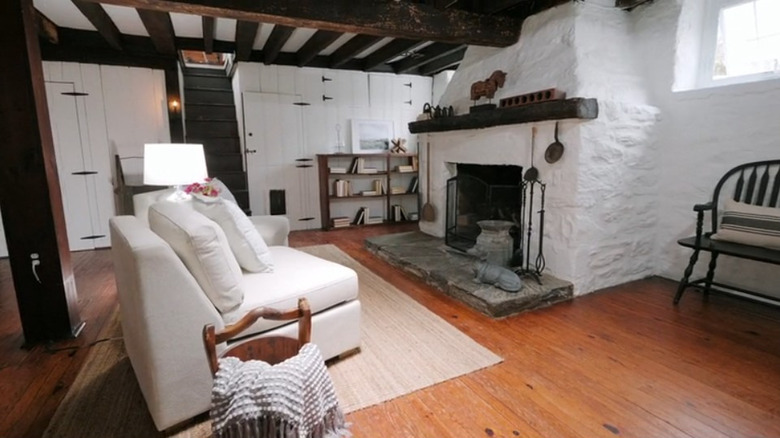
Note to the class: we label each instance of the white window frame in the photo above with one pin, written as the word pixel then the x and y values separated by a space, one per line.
pixel 708 45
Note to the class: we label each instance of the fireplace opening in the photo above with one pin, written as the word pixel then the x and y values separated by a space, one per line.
pixel 481 192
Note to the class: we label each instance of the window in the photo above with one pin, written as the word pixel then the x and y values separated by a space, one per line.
pixel 740 42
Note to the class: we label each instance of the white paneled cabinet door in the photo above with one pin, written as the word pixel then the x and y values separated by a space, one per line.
pixel 275 158
pixel 76 175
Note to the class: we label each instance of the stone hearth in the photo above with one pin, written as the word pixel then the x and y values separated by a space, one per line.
pixel 450 271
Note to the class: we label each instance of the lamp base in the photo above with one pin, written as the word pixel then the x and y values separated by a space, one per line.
pixel 179 195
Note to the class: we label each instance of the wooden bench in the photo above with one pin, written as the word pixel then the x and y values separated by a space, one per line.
pixel 756 184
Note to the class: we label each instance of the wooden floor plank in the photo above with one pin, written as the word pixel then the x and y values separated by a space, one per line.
pixel 620 362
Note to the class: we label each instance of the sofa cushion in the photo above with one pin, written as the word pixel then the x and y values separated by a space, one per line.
pixel 249 248
pixel 202 246
pixel 296 274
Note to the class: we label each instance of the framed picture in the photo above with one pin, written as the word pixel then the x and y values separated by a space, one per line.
pixel 371 136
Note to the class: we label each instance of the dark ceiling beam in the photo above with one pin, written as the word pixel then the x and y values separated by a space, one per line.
pixel 524 9
pixel 208 33
pixel 317 43
pixel 389 51
pixel 497 6
pixel 319 61
pixel 352 48
pixel 273 45
pixel 387 18
pixel 443 63
pixel 160 29
pixel 102 22
pixel 197 44
pixel 246 32
pixel 424 56
pixel 88 47
pixel 629 4
pixel 46 28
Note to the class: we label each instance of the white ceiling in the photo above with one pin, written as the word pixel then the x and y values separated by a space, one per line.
pixel 64 14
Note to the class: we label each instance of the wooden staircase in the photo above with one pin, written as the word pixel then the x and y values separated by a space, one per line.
pixel 210 119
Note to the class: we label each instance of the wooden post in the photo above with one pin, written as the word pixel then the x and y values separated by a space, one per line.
pixel 175 105
pixel 30 199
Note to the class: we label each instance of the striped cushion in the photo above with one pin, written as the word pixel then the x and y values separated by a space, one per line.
pixel 749 224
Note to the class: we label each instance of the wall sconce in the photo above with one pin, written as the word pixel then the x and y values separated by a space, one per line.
pixel 175 106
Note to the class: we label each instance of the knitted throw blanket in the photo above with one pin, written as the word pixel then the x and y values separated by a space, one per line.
pixel 292 399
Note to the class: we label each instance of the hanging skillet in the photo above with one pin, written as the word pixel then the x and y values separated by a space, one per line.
pixel 554 152
pixel 532 174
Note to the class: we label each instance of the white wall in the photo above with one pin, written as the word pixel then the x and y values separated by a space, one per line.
pixel 125 108
pixel 127 105
pixel 356 95
pixel 702 134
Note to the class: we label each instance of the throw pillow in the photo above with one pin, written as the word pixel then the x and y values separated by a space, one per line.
pixel 245 241
pixel 749 224
pixel 223 190
pixel 202 246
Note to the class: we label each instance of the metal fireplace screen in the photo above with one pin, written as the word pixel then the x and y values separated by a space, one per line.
pixel 478 193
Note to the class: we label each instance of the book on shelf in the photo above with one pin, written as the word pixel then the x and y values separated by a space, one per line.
pixel 412 185
pixel 415 163
pixel 360 216
pixel 397 190
pixel 374 220
pixel 342 188
pixel 337 170
pixel 369 193
pixel 378 186
pixel 398 214
pixel 404 168
pixel 340 222
pixel 359 166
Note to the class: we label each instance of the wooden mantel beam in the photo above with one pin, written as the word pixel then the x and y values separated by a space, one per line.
pixel 387 19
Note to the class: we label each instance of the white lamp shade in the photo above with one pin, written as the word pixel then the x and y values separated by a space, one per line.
pixel 170 164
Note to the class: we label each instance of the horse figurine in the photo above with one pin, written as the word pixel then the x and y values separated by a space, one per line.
pixel 488 87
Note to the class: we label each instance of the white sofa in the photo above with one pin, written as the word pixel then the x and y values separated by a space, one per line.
pixel 163 310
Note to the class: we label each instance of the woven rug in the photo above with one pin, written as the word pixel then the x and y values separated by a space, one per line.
pixel 404 348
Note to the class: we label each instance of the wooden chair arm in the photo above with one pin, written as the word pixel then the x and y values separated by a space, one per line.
pixel 211 337
pixel 703 207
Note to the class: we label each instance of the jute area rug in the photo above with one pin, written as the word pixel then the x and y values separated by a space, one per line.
pixel 404 348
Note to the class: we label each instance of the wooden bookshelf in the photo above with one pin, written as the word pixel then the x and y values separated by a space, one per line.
pixel 348 203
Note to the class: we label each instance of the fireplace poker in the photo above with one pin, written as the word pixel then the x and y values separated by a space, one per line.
pixel 530 222
pixel 540 262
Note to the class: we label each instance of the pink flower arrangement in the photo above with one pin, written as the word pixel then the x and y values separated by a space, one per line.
pixel 203 189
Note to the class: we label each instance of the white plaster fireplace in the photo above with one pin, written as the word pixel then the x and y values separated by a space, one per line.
pixel 601 197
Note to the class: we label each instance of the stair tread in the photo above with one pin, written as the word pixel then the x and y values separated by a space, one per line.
pixel 210 120
pixel 231 137
pixel 212 73
pixel 214 89
pixel 207 104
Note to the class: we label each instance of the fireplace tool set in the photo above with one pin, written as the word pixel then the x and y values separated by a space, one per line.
pixel 522 262
pixel 531 183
